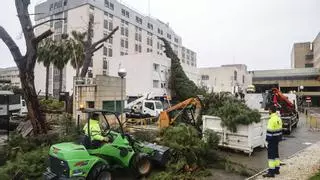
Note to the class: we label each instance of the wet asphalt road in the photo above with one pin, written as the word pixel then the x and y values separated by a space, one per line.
pixel 299 139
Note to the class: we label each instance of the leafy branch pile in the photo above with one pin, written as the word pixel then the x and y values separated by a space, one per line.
pixel 231 110
pixel 190 155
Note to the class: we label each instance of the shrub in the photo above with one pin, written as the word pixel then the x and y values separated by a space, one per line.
pixel 51 105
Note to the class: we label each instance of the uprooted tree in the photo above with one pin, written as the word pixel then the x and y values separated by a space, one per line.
pixel 231 110
pixel 26 62
pixel 180 85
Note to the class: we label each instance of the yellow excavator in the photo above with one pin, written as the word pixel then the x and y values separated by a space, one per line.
pixel 194 106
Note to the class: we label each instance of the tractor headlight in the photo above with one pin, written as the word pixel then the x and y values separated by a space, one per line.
pixel 77 172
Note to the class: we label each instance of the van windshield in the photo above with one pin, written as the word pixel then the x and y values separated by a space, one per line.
pixel 159 105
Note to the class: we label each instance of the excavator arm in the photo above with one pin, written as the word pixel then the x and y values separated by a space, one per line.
pixel 282 102
pixel 165 120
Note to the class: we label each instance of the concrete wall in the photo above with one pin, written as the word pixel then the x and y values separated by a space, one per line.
pixel 316 51
pixel 222 78
pixel 100 89
pixel 299 51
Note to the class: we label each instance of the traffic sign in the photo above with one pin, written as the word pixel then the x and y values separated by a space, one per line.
pixel 308 99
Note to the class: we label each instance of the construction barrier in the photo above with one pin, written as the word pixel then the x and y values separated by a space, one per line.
pixel 313 120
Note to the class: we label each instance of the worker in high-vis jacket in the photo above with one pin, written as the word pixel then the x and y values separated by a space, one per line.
pixel 274 136
pixel 95 131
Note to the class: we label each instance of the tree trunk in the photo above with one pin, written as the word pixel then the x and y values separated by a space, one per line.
pixel 47 81
pixel 77 71
pixel 60 80
pixel 27 83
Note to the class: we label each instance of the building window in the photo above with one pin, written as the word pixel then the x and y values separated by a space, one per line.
pixel 110 52
pixel 105 51
pixel 155 83
pixel 125 13
pixel 156 67
pixel 122 43
pixel 309 65
pixel 204 77
pixel 168 36
pixel 108 4
pixel 235 74
pixel 150 26
pixel 105 64
pixel 105 24
pixel 126 43
pixel 138 20
pixel 176 40
pixel 104 73
pixel 160 31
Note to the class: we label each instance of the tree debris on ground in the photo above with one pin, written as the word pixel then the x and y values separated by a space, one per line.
pixel 189 153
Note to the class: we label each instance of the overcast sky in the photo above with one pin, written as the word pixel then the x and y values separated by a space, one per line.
pixel 258 33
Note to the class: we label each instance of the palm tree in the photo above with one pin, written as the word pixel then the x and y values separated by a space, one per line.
pixel 45 56
pixel 77 44
pixel 62 53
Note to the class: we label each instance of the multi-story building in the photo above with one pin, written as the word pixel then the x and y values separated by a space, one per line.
pixel 137 38
pixel 304 81
pixel 302 55
pixel 11 74
pixel 228 78
pixel 316 51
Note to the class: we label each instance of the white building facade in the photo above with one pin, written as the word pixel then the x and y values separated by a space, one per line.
pixel 227 78
pixel 11 74
pixel 137 37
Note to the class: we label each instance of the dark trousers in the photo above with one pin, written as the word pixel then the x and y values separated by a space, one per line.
pixel 273 156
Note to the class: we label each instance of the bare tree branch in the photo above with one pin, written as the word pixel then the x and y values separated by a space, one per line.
pixel 57 19
pixel 43 36
pixel 96 49
pixel 14 49
pixel 105 38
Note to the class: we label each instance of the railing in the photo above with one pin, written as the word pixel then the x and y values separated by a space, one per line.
pixel 84 81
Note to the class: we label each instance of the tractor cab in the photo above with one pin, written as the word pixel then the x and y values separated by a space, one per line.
pixel 110 125
pixel 84 160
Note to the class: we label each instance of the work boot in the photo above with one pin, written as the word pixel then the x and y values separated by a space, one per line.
pixel 268 175
pixel 277 170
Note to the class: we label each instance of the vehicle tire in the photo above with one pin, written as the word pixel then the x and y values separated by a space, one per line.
pixel 99 172
pixel 141 165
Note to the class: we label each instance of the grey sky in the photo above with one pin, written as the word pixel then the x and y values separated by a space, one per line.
pixel 258 33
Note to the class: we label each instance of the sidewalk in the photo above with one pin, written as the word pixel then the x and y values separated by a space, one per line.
pixel 300 166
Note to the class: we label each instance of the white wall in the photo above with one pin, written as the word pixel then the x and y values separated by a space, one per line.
pixel 222 78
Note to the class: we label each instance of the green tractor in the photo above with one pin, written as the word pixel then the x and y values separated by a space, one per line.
pixel 82 160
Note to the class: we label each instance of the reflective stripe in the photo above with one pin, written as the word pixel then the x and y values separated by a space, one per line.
pixel 274 134
pixel 271 163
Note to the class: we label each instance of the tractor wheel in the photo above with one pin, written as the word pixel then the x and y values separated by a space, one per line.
pixel 141 165
pixel 99 172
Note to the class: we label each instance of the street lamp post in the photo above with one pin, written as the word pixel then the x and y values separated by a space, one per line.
pixel 122 73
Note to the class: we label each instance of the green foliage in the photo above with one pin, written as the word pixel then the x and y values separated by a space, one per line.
pixel 182 87
pixel 26 157
pixel 51 105
pixel 29 165
pixel 231 110
pixel 315 177
pixel 188 151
